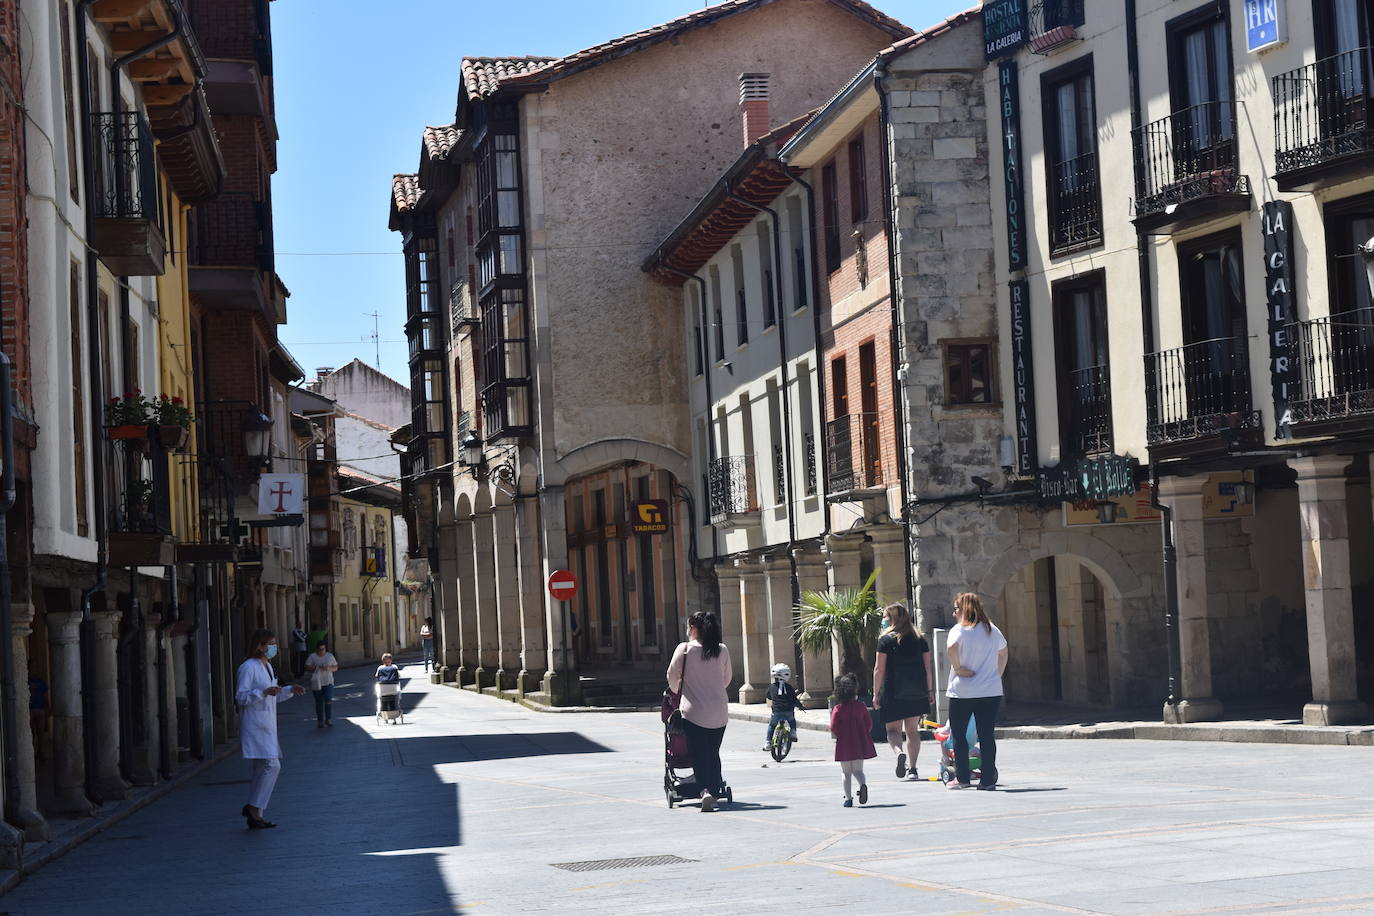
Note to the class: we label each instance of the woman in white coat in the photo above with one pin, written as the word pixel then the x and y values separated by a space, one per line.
pixel 257 694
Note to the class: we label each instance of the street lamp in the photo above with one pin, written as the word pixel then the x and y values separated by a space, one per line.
pixel 1244 492
pixel 1106 512
pixel 257 435
pixel 470 450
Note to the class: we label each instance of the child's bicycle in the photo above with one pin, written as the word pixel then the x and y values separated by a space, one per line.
pixel 780 745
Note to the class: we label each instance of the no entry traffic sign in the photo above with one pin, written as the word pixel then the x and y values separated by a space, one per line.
pixel 562 585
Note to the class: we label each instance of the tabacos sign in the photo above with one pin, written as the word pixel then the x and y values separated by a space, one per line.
pixel 1004 27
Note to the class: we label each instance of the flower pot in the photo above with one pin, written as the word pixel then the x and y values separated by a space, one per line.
pixel 172 437
pixel 128 431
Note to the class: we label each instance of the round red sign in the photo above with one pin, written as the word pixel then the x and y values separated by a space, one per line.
pixel 562 585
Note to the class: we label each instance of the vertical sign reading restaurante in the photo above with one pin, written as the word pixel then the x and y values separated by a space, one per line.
pixel 1008 91
pixel 1283 312
pixel 1023 380
pixel 1004 27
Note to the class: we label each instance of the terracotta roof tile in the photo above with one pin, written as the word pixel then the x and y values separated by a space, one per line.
pixel 439 140
pixel 939 28
pixel 482 75
pixel 405 191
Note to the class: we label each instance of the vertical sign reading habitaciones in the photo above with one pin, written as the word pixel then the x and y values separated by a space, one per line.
pixel 1009 93
pixel 1283 312
pixel 1023 380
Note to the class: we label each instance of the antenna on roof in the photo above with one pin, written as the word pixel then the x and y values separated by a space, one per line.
pixel 376 338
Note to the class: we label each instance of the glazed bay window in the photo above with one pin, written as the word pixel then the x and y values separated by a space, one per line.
pixel 501 280
pixel 1074 192
pixel 969 373
pixel 1080 357
pixel 425 328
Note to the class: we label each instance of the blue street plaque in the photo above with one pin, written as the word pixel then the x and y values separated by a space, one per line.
pixel 1265 24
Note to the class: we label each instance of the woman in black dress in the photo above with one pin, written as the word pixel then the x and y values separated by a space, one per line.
pixel 902 684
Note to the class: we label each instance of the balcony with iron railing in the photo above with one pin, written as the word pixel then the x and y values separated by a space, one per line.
pixel 462 307
pixel 127 199
pixel 809 447
pixel 1322 131
pixel 1087 427
pixel 855 464
pixel 1053 23
pixel 1199 397
pixel 1075 204
pixel 779 474
pixel 1189 168
pixel 1336 360
pixel 230 244
pixel 731 491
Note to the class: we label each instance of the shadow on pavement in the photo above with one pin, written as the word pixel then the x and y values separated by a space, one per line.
pixel 1040 789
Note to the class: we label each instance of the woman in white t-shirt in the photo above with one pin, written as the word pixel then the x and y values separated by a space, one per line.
pixel 977 656
pixel 322 664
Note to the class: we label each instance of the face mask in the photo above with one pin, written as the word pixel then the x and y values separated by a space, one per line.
pixel 272 651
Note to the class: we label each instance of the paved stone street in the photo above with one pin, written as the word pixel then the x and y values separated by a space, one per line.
pixel 468 806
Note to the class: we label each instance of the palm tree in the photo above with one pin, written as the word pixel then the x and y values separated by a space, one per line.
pixel 849 616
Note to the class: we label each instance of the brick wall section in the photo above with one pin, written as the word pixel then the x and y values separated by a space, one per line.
pixel 944 245
pixel 226 29
pixel 14 272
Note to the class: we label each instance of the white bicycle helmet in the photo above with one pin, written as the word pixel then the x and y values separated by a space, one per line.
pixel 781 672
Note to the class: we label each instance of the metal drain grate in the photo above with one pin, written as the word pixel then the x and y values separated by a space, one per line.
pixel 604 864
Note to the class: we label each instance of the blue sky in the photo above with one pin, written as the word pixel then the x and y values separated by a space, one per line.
pixel 354 90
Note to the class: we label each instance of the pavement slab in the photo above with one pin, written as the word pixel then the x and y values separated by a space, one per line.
pixel 476 805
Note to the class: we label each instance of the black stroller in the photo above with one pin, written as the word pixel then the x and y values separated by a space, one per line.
pixel 679 787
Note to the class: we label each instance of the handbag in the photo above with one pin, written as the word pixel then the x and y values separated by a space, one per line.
pixel 670 711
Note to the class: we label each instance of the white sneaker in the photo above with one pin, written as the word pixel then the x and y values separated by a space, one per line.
pixel 708 802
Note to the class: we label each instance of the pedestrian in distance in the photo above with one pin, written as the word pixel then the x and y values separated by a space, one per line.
pixel 387 672
pixel 852 728
pixel 322 665
pixel 902 685
pixel 257 694
pixel 783 696
pixel 298 640
pixel 977 656
pixel 700 671
pixel 427 642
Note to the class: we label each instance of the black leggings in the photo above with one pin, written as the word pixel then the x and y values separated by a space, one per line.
pixel 703 744
pixel 984 711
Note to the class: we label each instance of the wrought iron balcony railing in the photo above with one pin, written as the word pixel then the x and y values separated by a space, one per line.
pixel 1075 203
pixel 731 488
pixel 855 459
pixel 1052 23
pixel 1336 357
pixel 232 230
pixel 1088 427
pixel 462 306
pixel 1199 390
pixel 1322 113
pixel 779 473
pixel 1189 156
pixel 126 184
pixel 809 444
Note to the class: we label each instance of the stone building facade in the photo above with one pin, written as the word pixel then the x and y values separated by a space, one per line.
pixel 511 189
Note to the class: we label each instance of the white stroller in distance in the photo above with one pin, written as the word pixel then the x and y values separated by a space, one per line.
pixel 389 704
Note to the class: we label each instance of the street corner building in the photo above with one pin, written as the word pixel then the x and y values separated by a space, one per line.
pixel 551 389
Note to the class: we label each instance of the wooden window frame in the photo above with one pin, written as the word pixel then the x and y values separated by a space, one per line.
pixel 830 216
pixel 1050 126
pixel 967 344
pixel 858 180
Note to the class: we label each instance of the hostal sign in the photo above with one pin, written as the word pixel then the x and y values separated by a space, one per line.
pixel 1004 27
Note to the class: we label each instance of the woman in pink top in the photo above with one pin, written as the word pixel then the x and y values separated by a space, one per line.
pixel 700 671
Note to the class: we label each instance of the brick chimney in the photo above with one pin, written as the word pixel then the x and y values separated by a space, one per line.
pixel 753 103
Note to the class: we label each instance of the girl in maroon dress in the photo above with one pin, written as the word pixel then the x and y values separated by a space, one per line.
pixel 851 726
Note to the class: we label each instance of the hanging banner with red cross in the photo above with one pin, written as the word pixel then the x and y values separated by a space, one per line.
pixel 281 494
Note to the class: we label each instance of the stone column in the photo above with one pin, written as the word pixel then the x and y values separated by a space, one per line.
pixel 1326 579
pixel 507 575
pixel 818 673
pixel 460 649
pixel 34 826
pixel 889 559
pixel 562 683
pixel 69 761
pixel 1184 496
pixel 107 781
pixel 143 762
pixel 533 641
pixel 731 619
pixel 754 614
pixel 782 643
pixel 484 587
pixel 843 564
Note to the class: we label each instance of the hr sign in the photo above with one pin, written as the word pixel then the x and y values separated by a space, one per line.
pixel 1265 24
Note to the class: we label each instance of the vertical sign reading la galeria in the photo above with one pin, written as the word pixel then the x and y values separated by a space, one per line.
pixel 1009 94
pixel 1023 379
pixel 1283 311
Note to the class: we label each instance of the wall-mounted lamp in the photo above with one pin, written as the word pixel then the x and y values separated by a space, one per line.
pixel 1244 492
pixel 1106 512
pixel 472 455
pixel 257 436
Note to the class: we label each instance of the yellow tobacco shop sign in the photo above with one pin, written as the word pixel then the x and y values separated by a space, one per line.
pixel 649 516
